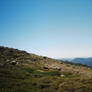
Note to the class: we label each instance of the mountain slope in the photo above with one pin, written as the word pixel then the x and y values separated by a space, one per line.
pixel 24 72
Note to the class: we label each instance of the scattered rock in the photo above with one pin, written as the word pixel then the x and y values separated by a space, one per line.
pixel 46 68
pixel 45 57
pixel 60 85
pixel 14 62
pixel 89 76
pixel 34 84
pixel 59 69
pixel 1 65
pixel 44 86
pixel 34 59
pixel 38 75
pixel 62 75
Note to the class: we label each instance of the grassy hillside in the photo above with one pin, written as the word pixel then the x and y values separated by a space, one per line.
pixel 24 72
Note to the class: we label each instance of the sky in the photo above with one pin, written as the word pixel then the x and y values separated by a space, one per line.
pixel 53 28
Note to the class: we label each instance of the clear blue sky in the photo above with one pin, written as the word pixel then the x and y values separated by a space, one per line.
pixel 53 28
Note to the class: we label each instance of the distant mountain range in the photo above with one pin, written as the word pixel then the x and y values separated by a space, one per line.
pixel 85 61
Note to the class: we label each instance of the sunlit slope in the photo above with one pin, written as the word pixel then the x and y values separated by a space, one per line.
pixel 25 72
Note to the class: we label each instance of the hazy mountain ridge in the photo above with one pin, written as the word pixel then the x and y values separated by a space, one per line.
pixel 85 61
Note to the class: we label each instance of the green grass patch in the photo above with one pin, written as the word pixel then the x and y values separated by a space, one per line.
pixel 49 73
